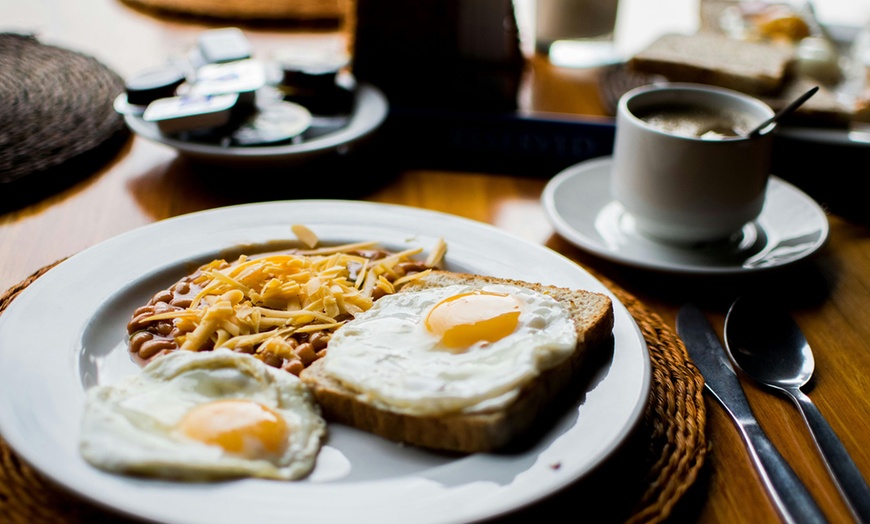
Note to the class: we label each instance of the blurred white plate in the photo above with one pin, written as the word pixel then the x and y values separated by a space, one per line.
pixel 369 112
pixel 67 331
pixel 579 206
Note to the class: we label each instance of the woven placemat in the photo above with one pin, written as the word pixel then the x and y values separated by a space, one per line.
pixel 248 10
pixel 673 426
pixel 57 119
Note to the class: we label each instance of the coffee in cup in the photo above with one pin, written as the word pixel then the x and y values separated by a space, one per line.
pixel 683 165
pixel 698 121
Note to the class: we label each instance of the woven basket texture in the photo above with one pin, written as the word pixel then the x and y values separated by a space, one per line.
pixel 56 111
pixel 248 10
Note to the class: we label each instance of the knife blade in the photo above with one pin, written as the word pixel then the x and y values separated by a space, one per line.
pixel 790 497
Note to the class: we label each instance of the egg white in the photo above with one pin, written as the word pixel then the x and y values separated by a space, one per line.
pixel 387 355
pixel 130 427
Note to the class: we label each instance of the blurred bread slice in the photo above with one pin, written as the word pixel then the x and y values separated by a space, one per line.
pixel 715 59
pixel 823 108
pixel 762 69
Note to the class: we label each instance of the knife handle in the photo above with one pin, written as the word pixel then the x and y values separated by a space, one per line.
pixel 790 496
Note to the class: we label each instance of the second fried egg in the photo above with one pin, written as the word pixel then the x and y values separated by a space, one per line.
pixel 204 416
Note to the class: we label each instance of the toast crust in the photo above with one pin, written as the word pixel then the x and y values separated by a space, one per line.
pixel 592 315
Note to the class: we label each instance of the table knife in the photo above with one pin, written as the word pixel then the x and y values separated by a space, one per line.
pixel 789 495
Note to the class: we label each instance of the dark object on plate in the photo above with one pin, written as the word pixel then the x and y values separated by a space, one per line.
pixel 57 121
pixel 332 101
pixel 149 85
pixel 319 82
pixel 303 69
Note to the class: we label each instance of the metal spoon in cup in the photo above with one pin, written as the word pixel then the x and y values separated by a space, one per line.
pixel 787 110
pixel 768 346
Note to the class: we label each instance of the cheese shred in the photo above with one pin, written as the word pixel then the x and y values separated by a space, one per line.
pixel 265 300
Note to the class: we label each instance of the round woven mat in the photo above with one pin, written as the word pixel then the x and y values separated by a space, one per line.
pixel 56 110
pixel 673 429
pixel 248 10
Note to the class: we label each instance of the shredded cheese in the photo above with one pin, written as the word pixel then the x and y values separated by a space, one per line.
pixel 259 303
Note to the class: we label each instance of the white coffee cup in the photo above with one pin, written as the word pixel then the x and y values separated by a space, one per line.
pixel 680 187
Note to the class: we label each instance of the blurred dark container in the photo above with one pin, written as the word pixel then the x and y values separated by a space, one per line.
pixel 452 54
pixel 833 174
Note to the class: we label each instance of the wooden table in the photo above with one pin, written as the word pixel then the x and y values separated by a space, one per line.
pixel 829 295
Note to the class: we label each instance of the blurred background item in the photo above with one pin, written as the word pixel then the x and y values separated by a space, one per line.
pixel 327 11
pixel 576 33
pixel 451 54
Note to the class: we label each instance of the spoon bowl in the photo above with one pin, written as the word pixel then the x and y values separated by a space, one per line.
pixel 767 345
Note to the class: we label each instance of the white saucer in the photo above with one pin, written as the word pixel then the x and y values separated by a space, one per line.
pixel 578 204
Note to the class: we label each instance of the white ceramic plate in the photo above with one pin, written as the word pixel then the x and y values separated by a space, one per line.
pixel 578 205
pixel 370 111
pixel 66 331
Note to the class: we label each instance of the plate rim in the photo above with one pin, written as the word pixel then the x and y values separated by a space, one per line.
pixel 577 238
pixel 628 325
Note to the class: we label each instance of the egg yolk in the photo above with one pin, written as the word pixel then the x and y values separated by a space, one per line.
pixel 467 318
pixel 240 427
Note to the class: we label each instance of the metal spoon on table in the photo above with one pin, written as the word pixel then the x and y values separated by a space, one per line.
pixel 767 345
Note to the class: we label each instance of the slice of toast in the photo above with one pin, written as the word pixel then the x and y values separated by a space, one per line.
pixel 716 59
pixel 480 431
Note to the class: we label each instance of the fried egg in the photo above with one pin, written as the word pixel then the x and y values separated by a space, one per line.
pixel 457 348
pixel 203 416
